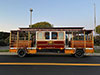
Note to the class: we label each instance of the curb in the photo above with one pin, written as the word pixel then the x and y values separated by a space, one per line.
pixel 92 54
pixel 87 54
pixel 7 53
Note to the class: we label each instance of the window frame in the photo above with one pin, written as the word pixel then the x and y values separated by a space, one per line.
pixel 50 33
pixel 45 36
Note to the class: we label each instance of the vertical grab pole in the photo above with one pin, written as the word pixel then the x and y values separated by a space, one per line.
pixel 72 40
pixel 28 38
pixel 68 40
pixel 84 40
pixel 87 36
pixel 17 38
pixel 90 36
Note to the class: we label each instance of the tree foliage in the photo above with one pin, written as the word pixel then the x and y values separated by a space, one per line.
pixel 97 40
pixel 41 25
pixel 4 38
pixel 98 29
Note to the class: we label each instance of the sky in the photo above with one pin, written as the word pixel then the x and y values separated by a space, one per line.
pixel 62 13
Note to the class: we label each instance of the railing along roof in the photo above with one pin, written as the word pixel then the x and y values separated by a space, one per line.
pixel 53 29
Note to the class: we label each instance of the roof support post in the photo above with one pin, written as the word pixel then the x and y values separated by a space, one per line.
pixel 91 36
pixel 87 36
pixel 72 41
pixel 84 40
pixel 17 39
pixel 68 40
pixel 28 38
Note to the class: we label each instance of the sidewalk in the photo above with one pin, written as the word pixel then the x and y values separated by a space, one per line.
pixel 4 47
pixel 92 54
pixel 7 53
pixel 88 54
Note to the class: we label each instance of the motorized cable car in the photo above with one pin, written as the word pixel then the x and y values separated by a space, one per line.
pixel 68 40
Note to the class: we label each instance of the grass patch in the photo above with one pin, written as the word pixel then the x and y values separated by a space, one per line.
pixel 97 50
pixel 6 50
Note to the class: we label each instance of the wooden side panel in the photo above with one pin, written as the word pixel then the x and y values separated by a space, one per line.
pixel 22 43
pixel 89 44
pixel 80 43
pixel 50 44
pixel 77 44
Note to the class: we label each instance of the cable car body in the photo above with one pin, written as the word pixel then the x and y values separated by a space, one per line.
pixel 67 40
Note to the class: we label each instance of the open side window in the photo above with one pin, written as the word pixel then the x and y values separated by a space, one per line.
pixel 54 35
pixel 23 35
pixel 47 35
pixel 61 35
pixel 39 35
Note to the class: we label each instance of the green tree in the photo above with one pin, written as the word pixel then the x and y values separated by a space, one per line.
pixel 98 29
pixel 41 25
pixel 4 38
pixel 97 40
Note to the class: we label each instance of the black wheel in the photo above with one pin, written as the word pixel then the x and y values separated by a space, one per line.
pixel 21 53
pixel 79 53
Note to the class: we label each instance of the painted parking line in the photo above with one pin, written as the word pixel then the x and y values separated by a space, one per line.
pixel 56 64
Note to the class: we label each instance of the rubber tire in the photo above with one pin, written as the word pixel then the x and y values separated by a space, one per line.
pixel 79 53
pixel 21 53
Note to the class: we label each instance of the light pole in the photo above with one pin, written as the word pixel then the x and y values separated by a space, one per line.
pixel 95 18
pixel 31 10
